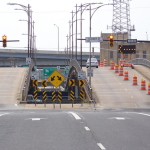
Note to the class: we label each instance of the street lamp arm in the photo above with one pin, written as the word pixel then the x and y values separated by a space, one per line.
pixel 25 7
pixel 99 7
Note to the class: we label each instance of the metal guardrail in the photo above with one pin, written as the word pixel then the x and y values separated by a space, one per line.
pixel 74 63
pixel 141 61
pixel 27 82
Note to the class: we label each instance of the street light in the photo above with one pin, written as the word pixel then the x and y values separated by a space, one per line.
pixel 91 15
pixel 58 35
pixel 27 10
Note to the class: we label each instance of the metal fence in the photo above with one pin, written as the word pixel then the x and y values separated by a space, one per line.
pixel 141 61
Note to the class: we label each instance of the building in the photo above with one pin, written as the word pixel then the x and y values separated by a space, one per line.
pixel 112 54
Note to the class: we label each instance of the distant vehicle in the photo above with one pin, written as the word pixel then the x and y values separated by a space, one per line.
pixel 30 99
pixel 94 63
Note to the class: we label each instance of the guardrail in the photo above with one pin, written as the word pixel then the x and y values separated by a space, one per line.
pixel 27 82
pixel 141 61
pixel 74 63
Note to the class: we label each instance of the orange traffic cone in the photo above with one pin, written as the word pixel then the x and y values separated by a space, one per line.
pixel 116 68
pixel 112 65
pixel 120 71
pixel 126 75
pixel 101 63
pixel 143 82
pixel 105 63
pixel 134 80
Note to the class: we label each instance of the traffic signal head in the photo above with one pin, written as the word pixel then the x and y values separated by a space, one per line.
pixel 4 38
pixel 111 39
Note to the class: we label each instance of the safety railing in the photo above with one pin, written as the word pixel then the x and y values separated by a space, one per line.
pixel 87 88
pixel 27 82
pixel 141 61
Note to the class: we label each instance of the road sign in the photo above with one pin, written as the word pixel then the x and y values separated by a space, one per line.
pixel 90 72
pixel 81 83
pixel 54 96
pixel 35 75
pixel 59 96
pixel 28 60
pixel 127 49
pixel 72 82
pixel 93 39
pixel 81 75
pixel 48 71
pixel 56 78
pixel 131 40
pixel 34 83
pixel 44 83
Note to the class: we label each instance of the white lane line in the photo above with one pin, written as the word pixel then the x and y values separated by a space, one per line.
pixel 140 113
pixel 126 89
pixel 101 146
pixel 36 119
pixel 86 128
pixel 75 115
pixel 131 96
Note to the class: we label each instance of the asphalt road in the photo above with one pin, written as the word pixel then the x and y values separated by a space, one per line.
pixel 100 129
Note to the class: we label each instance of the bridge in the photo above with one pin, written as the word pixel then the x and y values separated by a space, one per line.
pixel 17 57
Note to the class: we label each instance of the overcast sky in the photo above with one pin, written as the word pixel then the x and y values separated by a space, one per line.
pixel 46 13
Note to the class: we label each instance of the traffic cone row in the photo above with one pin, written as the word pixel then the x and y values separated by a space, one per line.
pixel 119 69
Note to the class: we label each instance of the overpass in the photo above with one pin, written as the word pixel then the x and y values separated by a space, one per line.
pixel 13 57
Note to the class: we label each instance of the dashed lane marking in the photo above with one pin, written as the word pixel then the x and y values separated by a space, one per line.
pixel 75 115
pixel 101 146
pixel 86 128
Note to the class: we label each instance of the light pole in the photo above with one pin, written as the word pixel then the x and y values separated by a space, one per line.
pixel 58 35
pixel 27 10
pixel 91 15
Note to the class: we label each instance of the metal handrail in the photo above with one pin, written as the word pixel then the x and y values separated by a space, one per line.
pixel 27 82
pixel 141 61
pixel 74 63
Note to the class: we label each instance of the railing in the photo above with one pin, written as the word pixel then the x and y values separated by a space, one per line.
pixel 87 88
pixel 141 61
pixel 27 82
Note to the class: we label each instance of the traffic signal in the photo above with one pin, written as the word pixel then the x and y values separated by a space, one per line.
pixel 111 39
pixel 4 38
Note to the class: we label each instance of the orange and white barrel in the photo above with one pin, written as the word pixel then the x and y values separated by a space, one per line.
pixel 105 63
pixel 126 75
pixel 120 71
pixel 134 80
pixel 112 65
pixel 116 68
pixel 143 84
pixel 148 89
pixel 101 63
pixel 120 62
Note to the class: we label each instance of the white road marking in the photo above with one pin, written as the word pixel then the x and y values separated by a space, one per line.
pixel 75 115
pixel 101 146
pixel 119 118
pixel 15 104
pixel 86 128
pixel 131 96
pixel 139 113
pixel 35 119
pixel 126 89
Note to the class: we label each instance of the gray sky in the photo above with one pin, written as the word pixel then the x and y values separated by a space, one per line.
pixel 46 13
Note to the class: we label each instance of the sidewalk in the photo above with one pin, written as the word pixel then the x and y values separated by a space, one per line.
pixel 145 71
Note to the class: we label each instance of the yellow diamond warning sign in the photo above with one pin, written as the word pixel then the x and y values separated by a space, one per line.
pixel 56 78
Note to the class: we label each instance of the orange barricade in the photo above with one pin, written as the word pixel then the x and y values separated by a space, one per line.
pixel 116 69
pixel 112 65
pixel 101 63
pixel 120 71
pixel 126 75
pixel 148 89
pixel 134 80
pixel 105 63
pixel 143 86
pixel 120 62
